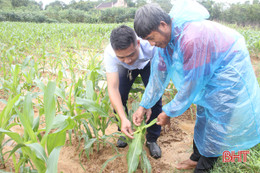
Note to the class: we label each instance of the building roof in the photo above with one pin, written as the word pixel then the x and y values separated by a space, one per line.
pixel 105 5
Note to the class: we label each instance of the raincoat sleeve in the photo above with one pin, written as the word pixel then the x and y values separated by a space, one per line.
pixel 195 54
pixel 158 81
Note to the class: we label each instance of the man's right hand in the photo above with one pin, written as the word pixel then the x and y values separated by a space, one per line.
pixel 126 128
pixel 138 116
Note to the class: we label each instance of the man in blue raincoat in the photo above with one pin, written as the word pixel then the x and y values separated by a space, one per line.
pixel 210 66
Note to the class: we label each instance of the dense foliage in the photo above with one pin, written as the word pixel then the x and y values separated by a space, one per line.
pixel 86 12
pixel 242 14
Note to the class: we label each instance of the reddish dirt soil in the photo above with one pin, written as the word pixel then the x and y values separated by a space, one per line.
pixel 176 145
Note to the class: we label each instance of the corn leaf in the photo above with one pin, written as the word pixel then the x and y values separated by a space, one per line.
pixel 89 143
pixel 68 124
pixel 15 74
pixel 83 116
pixel 39 151
pixel 55 140
pixel 28 109
pixel 89 90
pixel 15 149
pixel 151 123
pixel 61 93
pixel 52 162
pixel 49 105
pixel 59 121
pixel 59 137
pixel 2 136
pixel 15 136
pixel 36 123
pixel 87 128
pixel 39 164
pixel 5 114
pixel 27 117
pixel 92 106
pixel 146 166
pixel 136 149
pixel 134 152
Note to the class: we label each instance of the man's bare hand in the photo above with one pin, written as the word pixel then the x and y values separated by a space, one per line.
pixel 126 128
pixel 138 116
pixel 163 119
pixel 148 114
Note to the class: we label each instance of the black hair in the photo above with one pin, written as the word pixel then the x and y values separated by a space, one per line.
pixel 148 18
pixel 122 37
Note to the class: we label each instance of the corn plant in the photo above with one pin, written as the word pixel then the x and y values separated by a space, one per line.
pixel 136 152
pixel 95 70
pixel 6 122
pixel 97 108
pixel 13 85
pixel 95 120
pixel 89 106
pixel 94 100
pixel 68 105
pixel 29 71
pixel 137 88
pixel 34 140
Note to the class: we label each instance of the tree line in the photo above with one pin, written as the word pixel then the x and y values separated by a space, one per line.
pixel 239 13
pixel 86 12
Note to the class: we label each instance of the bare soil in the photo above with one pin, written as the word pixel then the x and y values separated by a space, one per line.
pixel 175 143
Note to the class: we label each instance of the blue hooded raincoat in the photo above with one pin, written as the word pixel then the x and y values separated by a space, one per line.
pixel 210 66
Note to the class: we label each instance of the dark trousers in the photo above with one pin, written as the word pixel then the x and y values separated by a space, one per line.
pixel 125 85
pixel 205 164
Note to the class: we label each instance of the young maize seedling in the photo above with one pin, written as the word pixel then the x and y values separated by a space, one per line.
pixel 136 149
pixel 33 144
pixel 6 117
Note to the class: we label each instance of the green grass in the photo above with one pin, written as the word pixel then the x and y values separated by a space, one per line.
pixel 251 166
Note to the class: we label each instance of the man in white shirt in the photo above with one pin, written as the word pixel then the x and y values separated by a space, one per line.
pixel 125 58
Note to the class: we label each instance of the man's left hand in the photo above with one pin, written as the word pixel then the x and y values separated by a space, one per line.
pixel 163 119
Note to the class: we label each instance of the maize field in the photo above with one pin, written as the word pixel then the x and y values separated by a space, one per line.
pixel 55 113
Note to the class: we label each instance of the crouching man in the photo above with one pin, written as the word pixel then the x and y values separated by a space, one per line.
pixel 125 58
